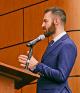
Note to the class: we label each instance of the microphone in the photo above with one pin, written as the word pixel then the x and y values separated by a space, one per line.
pixel 39 38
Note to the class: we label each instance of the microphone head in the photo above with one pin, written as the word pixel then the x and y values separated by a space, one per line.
pixel 33 42
pixel 41 37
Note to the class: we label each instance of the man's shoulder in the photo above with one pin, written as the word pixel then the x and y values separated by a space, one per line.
pixel 69 42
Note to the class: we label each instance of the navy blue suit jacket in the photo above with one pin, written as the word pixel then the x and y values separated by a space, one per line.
pixel 56 65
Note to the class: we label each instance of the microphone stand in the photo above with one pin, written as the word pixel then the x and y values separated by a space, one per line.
pixel 31 44
pixel 29 56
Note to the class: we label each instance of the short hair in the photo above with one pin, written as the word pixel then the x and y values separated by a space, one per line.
pixel 57 11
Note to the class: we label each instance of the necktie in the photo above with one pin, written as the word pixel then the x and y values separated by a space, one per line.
pixel 51 43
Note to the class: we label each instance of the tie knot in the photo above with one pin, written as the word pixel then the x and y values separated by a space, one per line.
pixel 51 42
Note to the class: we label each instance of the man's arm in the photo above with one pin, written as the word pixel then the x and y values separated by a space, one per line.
pixel 67 56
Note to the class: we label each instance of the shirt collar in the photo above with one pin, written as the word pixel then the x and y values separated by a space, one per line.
pixel 59 36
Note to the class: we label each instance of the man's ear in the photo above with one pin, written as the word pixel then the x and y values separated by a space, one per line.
pixel 56 20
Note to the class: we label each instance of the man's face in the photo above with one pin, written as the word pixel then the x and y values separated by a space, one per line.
pixel 48 23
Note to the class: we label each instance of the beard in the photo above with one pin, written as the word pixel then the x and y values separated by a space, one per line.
pixel 50 31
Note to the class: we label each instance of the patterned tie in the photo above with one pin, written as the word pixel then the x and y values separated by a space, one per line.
pixel 51 43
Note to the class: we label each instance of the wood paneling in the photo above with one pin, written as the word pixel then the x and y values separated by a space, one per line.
pixel 33 18
pixel 11 5
pixel 10 55
pixel 6 85
pixel 75 36
pixel 74 83
pixel 30 88
pixel 11 28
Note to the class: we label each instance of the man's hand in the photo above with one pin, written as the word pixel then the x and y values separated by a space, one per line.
pixel 23 59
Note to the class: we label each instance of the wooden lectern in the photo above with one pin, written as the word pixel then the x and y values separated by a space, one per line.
pixel 12 78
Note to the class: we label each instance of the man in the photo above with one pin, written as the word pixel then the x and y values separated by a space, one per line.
pixel 59 57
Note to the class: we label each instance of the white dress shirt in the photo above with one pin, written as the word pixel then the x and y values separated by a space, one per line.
pixel 59 36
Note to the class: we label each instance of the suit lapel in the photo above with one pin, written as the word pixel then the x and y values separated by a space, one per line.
pixel 51 48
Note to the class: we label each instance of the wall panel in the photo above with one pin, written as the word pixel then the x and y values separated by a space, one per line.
pixel 12 5
pixel 33 18
pixel 10 55
pixel 74 83
pixel 11 29
pixel 75 36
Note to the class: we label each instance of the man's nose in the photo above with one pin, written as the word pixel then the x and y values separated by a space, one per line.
pixel 43 25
